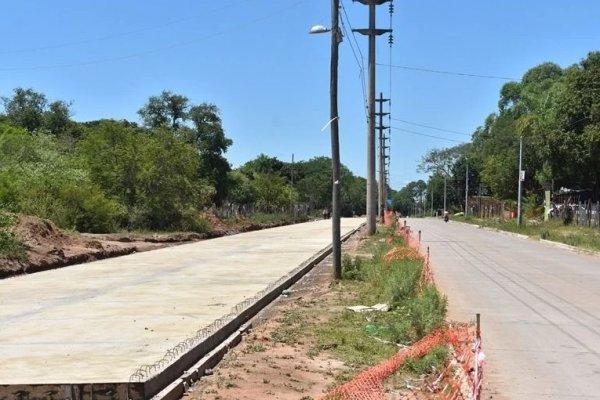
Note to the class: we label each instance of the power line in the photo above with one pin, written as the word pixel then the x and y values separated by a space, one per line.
pixel 426 135
pixel 362 58
pixel 109 37
pixel 156 50
pixel 361 65
pixel 430 127
pixel 435 71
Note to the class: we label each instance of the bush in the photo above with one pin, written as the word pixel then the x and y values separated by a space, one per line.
pixel 193 222
pixel 403 280
pixel 352 269
pixel 10 246
pixel 427 311
pixel 432 361
pixel 97 214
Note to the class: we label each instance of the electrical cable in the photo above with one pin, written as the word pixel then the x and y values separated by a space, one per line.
pixel 448 72
pixel 361 65
pixel 156 50
pixel 430 127
pixel 426 135
pixel 109 37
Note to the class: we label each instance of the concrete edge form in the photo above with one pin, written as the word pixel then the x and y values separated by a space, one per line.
pixel 176 389
pixel 77 391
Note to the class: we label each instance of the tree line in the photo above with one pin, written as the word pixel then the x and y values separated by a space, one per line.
pixel 557 113
pixel 160 174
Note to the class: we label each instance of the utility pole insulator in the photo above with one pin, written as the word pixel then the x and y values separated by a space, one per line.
pixel 369 32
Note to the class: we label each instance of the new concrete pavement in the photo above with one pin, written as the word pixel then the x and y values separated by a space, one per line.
pixel 98 322
pixel 539 305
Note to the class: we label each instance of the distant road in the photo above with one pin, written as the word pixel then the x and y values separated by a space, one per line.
pixel 539 305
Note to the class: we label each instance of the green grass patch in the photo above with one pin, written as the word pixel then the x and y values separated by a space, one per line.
pixel 10 246
pixel 363 339
pixel 434 360
pixel 555 230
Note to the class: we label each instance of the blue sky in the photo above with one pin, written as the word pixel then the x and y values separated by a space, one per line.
pixel 256 61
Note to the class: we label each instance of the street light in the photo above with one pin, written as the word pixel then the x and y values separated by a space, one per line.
pixel 336 38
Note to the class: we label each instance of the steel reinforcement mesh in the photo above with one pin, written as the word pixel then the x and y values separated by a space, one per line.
pixel 461 377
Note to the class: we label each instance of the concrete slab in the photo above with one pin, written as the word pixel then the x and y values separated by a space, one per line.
pixel 98 322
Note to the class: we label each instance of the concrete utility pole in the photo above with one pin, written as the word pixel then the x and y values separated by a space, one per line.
pixel 372 32
pixel 521 178
pixel 381 192
pixel 432 202
pixel 336 38
pixel 467 190
pixel 444 210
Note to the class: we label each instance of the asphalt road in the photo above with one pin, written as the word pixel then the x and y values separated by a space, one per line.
pixel 539 305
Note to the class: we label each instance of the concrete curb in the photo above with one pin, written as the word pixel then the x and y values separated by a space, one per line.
pixel 552 243
pixel 177 388
pixel 574 249
pixel 507 233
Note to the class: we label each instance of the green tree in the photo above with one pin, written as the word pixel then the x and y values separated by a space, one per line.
pixel 38 177
pixel 272 192
pixel 57 119
pixel 154 176
pixel 263 164
pixel 209 138
pixel 25 108
pixel 314 182
pixel 242 189
pixel 167 110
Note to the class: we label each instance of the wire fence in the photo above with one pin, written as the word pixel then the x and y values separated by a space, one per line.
pixel 234 210
pixel 580 214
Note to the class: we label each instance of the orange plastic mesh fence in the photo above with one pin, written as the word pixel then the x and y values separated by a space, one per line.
pixel 461 378
pixel 452 382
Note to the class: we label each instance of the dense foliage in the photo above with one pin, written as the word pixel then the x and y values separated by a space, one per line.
pixel 106 175
pixel 272 183
pixel 556 111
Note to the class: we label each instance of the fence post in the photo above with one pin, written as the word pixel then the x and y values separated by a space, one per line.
pixel 478 373
pixel 419 236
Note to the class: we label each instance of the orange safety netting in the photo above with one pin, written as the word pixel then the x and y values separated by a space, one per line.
pixel 460 379
pixel 453 382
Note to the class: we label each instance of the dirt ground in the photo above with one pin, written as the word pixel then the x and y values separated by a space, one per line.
pixel 271 362
pixel 49 247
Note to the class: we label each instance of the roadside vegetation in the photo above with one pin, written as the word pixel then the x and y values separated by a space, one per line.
pixel 554 230
pixel 161 173
pixel 10 246
pixel 362 339
pixel 555 110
